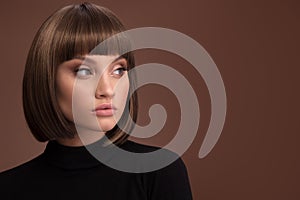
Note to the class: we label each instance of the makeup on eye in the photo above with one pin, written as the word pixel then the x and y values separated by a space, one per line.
pixel 119 67
pixel 119 71
pixel 83 71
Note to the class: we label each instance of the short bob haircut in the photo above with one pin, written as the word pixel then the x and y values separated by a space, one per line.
pixel 71 31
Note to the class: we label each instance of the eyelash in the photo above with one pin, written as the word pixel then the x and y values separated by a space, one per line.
pixel 123 68
pixel 82 69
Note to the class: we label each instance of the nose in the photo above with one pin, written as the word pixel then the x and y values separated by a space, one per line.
pixel 105 87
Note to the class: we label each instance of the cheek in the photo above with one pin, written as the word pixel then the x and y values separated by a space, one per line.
pixel 64 91
pixel 82 98
pixel 121 90
pixel 120 98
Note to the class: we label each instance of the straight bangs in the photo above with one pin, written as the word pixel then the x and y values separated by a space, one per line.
pixel 85 30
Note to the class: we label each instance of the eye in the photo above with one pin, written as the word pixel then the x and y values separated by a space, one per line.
pixel 119 71
pixel 83 72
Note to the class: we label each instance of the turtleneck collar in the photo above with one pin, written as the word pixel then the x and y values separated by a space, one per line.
pixel 71 157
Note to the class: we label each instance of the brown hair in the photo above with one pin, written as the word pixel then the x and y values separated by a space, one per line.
pixel 71 31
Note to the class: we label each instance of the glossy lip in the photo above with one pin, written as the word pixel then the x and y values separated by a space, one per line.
pixel 104 110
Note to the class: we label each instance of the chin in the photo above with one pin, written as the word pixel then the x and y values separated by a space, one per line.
pixel 106 124
pixel 105 127
pixel 89 128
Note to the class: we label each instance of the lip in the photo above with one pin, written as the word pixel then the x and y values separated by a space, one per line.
pixel 104 110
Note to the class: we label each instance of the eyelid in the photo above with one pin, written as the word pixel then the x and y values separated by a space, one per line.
pixel 83 66
pixel 121 68
pixel 84 71
pixel 122 62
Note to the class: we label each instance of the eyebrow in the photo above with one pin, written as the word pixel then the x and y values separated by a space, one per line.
pixel 92 61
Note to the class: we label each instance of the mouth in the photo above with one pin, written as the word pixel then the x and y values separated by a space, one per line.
pixel 104 110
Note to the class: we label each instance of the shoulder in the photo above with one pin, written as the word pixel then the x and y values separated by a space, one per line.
pixel 17 181
pixel 177 163
pixel 169 182
pixel 20 172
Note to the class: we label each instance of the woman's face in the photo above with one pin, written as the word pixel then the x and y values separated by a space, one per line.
pixel 92 91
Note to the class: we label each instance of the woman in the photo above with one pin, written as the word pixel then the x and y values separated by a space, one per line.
pixel 72 98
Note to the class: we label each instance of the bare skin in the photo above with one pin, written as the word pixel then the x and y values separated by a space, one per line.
pixel 92 93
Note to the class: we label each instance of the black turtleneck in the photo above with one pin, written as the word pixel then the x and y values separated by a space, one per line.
pixel 63 172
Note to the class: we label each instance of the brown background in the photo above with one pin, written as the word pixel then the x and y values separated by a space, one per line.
pixel 255 45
